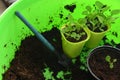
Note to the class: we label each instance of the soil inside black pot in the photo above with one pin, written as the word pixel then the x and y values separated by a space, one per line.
pixel 101 68
pixel 32 57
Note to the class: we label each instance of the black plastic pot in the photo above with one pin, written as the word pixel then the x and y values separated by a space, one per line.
pixel 100 68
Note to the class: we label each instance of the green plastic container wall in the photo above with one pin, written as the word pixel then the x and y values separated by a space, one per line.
pixel 43 15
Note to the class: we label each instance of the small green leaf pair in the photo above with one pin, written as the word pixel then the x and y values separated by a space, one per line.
pixel 110 61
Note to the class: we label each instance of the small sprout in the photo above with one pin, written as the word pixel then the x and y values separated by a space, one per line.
pixel 85 13
pixel 107 58
pixel 48 75
pixel 83 68
pixel 82 21
pixel 89 8
pixel 68 73
pixel 99 4
pixel 110 61
pixel 114 12
pixel 74 61
pixel 73 34
pixel 114 60
pixel 61 75
pixel 54 40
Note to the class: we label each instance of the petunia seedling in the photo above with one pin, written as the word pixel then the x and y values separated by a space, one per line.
pixel 74 29
pixel 99 16
pixel 110 61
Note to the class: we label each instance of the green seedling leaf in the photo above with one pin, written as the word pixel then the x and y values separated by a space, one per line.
pixel 114 60
pixel 99 4
pixel 67 73
pixel 93 23
pixel 101 29
pixel 78 37
pixel 105 9
pixel 83 33
pixel 74 60
pixel 114 12
pixel 101 19
pixel 60 75
pixel 111 65
pixel 110 61
pixel 48 74
pixel 54 39
pixel 73 35
pixel 65 30
pixel 89 8
pixel 70 18
pixel 73 27
pixel 82 67
pixel 107 58
pixel 82 20
pixel 112 19
pixel 85 12
pixel 67 34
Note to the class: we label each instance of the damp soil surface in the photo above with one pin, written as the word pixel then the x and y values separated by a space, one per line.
pixel 32 57
pixel 101 67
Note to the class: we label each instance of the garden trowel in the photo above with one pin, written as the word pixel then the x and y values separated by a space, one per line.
pixel 62 58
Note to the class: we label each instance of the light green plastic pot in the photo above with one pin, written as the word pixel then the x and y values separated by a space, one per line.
pixel 38 13
pixel 95 38
pixel 73 49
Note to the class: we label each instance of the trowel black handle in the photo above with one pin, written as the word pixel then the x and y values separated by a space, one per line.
pixel 37 34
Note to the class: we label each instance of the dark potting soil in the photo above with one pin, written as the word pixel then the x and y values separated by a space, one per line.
pixel 101 67
pixel 32 57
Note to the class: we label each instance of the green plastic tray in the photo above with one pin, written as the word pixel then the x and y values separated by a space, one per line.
pixel 40 13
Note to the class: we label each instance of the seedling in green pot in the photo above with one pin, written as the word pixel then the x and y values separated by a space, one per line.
pixel 110 61
pixel 96 17
pixel 74 30
pixel 74 36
